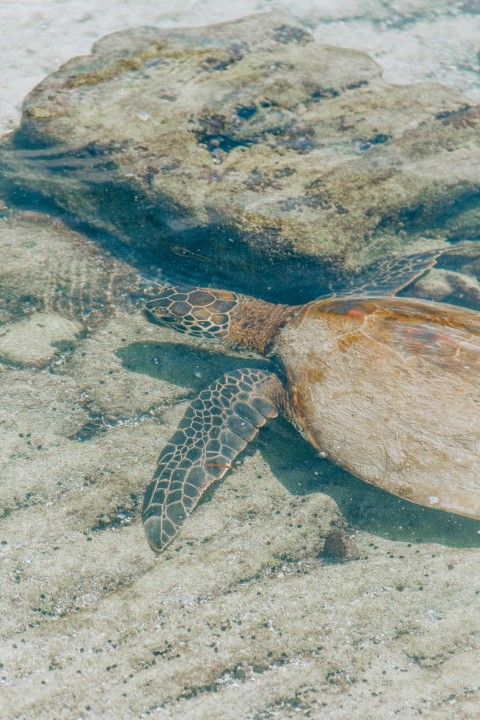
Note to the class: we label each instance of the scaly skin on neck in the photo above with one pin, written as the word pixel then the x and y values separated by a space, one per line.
pixel 254 323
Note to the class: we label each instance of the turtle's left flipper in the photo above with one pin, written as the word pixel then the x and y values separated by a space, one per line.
pixel 215 429
pixel 394 273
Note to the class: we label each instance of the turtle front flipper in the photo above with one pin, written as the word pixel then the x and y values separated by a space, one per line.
pixel 215 429
pixel 391 274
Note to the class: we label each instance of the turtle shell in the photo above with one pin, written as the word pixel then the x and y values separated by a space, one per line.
pixel 388 388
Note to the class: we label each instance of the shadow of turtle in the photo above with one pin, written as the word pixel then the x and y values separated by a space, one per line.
pixel 295 463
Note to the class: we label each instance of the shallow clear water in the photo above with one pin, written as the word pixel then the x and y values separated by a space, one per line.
pixel 245 615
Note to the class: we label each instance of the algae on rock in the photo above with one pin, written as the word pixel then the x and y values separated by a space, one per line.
pixel 248 149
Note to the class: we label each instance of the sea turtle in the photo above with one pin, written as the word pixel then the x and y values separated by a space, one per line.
pixel 386 387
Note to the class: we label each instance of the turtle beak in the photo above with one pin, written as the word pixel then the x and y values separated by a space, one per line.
pixel 154 309
pixel 151 317
pixel 162 320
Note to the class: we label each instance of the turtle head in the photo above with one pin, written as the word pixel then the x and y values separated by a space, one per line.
pixel 193 311
pixel 239 320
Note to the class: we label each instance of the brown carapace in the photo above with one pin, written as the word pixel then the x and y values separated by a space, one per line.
pixel 386 387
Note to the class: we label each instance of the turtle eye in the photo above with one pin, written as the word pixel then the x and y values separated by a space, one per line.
pixel 158 304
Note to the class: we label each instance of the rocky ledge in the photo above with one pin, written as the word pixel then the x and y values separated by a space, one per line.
pixel 247 150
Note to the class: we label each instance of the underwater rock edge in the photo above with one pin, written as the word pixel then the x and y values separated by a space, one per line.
pixel 248 150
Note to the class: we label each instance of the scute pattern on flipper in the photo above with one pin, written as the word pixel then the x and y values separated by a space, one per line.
pixel 215 429
pixel 390 275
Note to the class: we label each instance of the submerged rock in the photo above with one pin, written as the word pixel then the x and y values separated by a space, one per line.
pixel 34 341
pixel 247 149
pixel 339 546
pixel 48 269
